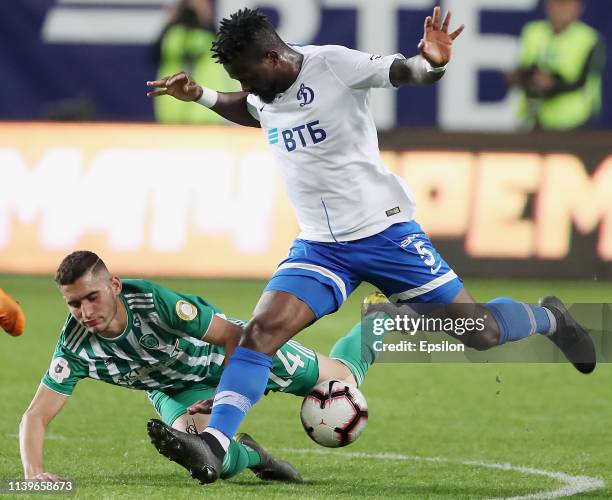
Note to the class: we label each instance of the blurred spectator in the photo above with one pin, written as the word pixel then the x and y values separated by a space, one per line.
pixel 560 69
pixel 184 45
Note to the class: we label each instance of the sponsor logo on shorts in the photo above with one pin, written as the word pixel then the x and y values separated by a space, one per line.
pixel 186 311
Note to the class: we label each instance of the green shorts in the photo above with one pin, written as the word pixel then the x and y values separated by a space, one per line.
pixel 295 370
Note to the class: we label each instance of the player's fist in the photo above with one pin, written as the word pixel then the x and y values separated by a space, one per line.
pixel 12 319
pixel 179 86
pixel 437 41
pixel 203 406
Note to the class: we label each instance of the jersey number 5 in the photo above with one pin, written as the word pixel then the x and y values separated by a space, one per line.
pixel 427 257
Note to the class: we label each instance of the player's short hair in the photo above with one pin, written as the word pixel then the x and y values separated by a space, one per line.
pixel 76 265
pixel 244 30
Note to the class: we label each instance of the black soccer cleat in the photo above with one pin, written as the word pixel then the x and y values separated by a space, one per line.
pixel 187 450
pixel 270 468
pixel 573 340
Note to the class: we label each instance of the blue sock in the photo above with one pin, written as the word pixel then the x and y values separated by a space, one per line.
pixel 242 384
pixel 517 320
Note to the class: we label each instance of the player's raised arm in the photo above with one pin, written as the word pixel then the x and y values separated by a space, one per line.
pixel 43 408
pixel 230 105
pixel 436 48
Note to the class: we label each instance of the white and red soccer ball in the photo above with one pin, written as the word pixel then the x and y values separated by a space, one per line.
pixel 334 414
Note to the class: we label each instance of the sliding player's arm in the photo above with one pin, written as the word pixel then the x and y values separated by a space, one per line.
pixel 230 105
pixel 435 47
pixel 57 384
pixel 43 408
pixel 224 333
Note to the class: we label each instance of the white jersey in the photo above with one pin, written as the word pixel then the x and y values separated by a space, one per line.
pixel 324 138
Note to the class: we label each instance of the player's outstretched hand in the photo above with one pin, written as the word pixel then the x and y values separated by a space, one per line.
pixel 203 406
pixel 179 86
pixel 437 41
pixel 47 477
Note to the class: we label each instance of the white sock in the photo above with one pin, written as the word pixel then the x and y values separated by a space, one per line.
pixel 553 322
pixel 219 436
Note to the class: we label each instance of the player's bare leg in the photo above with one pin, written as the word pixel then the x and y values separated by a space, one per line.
pixel 278 317
pixel 193 424
pixel 333 369
pixel 464 304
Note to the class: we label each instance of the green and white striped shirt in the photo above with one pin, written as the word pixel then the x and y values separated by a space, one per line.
pixel 161 347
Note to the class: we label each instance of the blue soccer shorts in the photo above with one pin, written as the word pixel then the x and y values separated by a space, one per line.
pixel 400 261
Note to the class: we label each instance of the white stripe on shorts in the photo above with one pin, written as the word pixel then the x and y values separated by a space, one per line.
pixel 427 287
pixel 317 269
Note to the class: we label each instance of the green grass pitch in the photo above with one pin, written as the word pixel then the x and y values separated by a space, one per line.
pixel 436 431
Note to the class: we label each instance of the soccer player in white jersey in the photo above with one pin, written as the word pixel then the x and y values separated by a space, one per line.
pixel 356 217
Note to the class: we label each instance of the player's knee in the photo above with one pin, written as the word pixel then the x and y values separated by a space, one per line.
pixel 263 334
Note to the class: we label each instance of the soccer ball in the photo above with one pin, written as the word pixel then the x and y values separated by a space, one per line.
pixel 334 414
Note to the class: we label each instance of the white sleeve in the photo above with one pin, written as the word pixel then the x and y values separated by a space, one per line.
pixel 253 105
pixel 360 70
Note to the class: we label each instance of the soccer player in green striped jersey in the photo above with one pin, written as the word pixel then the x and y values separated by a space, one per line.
pixel 136 334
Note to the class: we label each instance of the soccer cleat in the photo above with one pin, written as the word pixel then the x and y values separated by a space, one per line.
pixel 12 319
pixel 573 340
pixel 187 450
pixel 375 298
pixel 376 302
pixel 270 468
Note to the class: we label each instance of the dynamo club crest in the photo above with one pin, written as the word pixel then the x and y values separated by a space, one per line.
pixel 306 95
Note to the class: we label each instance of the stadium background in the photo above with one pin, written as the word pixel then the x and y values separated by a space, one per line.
pixel 206 205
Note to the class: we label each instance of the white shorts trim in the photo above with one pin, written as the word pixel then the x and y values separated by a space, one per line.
pixel 320 270
pixel 427 287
